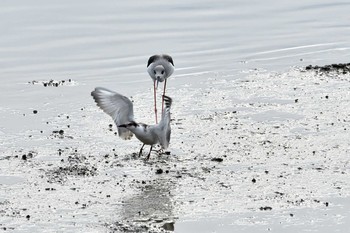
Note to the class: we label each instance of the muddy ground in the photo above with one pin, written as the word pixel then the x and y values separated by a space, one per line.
pixel 263 152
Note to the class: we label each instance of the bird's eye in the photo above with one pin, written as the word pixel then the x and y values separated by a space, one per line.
pixel 154 72
pixel 162 71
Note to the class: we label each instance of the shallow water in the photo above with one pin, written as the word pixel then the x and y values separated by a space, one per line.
pixel 222 50
pixel 110 41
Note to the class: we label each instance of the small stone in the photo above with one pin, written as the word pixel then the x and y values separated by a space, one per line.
pixel 296 100
pixel 35 111
pixel 266 208
pixel 217 160
pixel 28 217
pixel 254 180
pixel 159 171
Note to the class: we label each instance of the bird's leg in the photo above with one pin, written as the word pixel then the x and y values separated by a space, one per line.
pixel 155 100
pixel 140 153
pixel 163 96
pixel 149 154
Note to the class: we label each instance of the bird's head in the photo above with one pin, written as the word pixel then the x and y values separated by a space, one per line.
pixel 129 125
pixel 159 73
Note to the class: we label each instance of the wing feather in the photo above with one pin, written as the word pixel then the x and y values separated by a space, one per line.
pixel 119 107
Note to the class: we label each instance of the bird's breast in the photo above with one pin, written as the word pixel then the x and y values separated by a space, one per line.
pixel 146 135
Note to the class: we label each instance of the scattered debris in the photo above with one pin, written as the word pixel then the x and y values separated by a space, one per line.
pixel 341 68
pixel 159 171
pixel 265 208
pixel 52 83
pixel 217 160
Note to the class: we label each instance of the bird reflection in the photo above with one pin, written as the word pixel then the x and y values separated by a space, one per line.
pixel 152 206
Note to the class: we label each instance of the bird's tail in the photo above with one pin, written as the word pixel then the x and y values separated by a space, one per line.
pixel 168 101
pixel 166 112
pixel 164 124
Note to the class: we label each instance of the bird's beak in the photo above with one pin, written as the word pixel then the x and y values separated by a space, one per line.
pixel 122 126
pixel 157 83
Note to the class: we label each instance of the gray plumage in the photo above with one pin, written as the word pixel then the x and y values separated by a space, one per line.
pixel 120 108
pixel 117 106
pixel 160 67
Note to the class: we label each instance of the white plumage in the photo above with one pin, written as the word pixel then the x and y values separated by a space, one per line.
pixel 159 67
pixel 120 108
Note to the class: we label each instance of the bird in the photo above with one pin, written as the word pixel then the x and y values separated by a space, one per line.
pixel 160 67
pixel 121 109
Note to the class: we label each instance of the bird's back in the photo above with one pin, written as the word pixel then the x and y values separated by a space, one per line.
pixel 159 133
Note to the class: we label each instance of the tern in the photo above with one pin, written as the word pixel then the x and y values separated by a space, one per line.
pixel 120 108
pixel 159 67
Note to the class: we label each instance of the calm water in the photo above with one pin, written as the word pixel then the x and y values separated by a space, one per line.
pixel 110 41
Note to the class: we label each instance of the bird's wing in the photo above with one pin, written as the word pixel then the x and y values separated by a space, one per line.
pixel 164 124
pixel 119 107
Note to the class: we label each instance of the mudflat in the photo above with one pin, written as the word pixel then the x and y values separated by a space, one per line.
pixel 268 151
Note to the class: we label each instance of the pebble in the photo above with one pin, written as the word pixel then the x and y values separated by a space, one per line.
pixel 217 160
pixel 159 171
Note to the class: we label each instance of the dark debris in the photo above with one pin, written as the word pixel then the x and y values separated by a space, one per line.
pixel 341 68
pixel 51 82
pixel 217 160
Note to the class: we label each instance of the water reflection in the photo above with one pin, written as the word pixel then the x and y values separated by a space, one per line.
pixel 152 206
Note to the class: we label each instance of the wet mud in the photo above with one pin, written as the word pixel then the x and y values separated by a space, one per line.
pixel 256 152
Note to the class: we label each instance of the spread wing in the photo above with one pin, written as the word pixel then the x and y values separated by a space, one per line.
pixel 164 124
pixel 119 107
